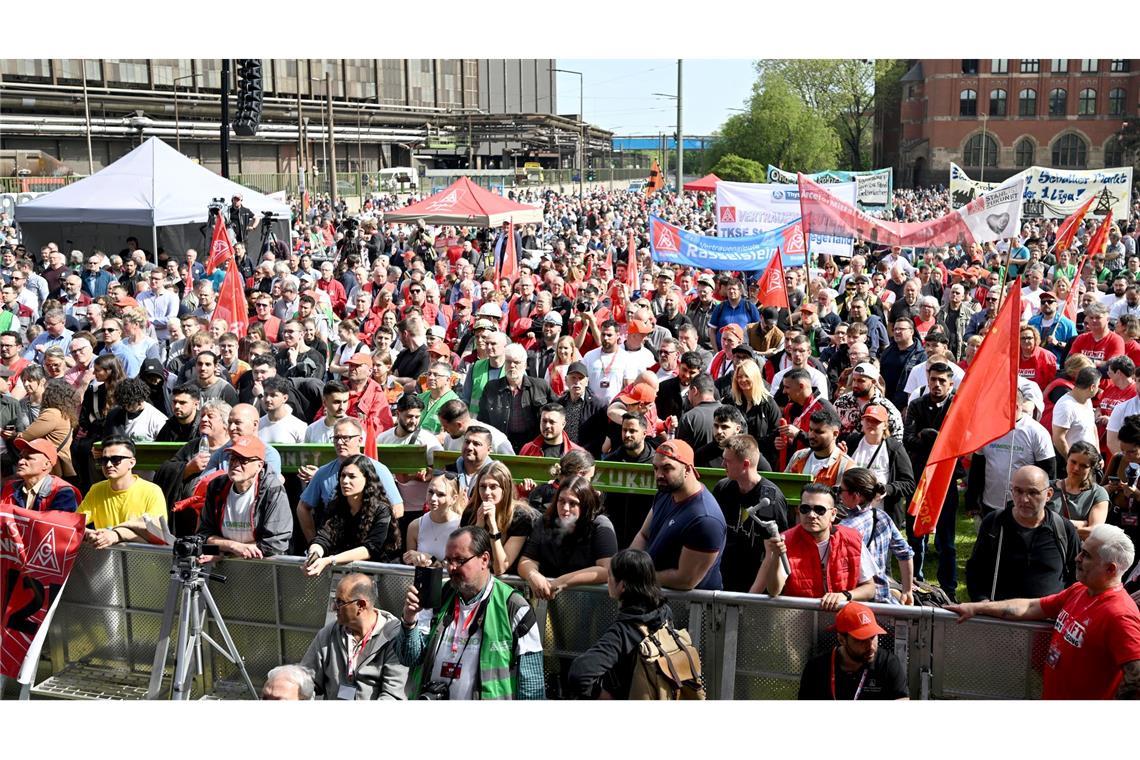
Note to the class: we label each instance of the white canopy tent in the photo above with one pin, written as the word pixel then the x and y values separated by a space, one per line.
pixel 152 189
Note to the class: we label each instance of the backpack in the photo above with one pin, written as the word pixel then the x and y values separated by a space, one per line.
pixel 668 666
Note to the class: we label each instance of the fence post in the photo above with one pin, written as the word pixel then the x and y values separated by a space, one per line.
pixel 728 643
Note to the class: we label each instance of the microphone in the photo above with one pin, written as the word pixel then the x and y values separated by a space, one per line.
pixel 769 527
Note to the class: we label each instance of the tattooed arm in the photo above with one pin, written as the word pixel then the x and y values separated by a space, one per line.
pixel 1130 686
pixel 1007 609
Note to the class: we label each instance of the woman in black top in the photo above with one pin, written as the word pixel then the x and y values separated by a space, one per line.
pixel 361 526
pixel 509 521
pixel 605 670
pixel 572 544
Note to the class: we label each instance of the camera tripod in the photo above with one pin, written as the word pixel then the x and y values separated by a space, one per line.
pixel 187 591
pixel 269 240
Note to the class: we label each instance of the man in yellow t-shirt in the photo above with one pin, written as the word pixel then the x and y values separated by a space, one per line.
pixel 121 497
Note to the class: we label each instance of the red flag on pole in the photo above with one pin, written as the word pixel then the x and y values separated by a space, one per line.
pixel 509 266
pixel 773 288
pixel 631 276
pixel 964 431
pixel 1068 229
pixel 1074 291
pixel 232 306
pixel 1099 239
pixel 220 248
pixel 189 279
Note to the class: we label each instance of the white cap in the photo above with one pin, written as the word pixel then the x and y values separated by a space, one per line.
pixel 866 369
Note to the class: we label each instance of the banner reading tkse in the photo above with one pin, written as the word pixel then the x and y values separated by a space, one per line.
pixel 670 244
pixel 746 209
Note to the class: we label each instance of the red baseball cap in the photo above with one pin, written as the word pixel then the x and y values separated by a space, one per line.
pixel 640 393
pixel 638 327
pixel 735 329
pixel 40 446
pixel 248 446
pixel 678 450
pixel 854 619
pixel 365 359
pixel 439 348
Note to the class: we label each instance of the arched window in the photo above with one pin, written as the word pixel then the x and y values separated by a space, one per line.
pixel 1116 98
pixel 1027 102
pixel 1023 154
pixel 1058 102
pixel 968 103
pixel 997 102
pixel 1086 105
pixel 1070 152
pixel 981 150
pixel 1113 153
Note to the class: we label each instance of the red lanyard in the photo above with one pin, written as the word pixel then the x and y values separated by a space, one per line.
pixel 466 625
pixel 862 678
pixel 352 657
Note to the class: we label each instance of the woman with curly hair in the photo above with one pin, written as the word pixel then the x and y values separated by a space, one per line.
pixel 56 424
pixel 493 507
pixel 361 526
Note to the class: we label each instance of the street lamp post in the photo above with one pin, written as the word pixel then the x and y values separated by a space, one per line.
pixel 982 175
pixel 87 117
pixel 680 135
pixel 582 133
pixel 177 122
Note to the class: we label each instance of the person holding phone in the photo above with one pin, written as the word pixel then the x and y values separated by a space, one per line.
pixel 508 522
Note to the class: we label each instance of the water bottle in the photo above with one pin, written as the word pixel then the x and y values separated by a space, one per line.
pixel 204 445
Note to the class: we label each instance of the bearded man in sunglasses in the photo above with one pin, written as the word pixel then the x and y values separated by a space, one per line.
pixel 121 498
pixel 827 560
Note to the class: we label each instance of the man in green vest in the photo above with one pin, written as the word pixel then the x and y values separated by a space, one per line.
pixel 439 392
pixel 485 370
pixel 483 642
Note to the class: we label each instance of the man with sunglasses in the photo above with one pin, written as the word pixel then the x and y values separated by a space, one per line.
pixel 263 315
pixel 123 496
pixel 484 641
pixel 246 513
pixel 826 560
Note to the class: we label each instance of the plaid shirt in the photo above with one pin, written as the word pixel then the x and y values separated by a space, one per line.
pixel 881 537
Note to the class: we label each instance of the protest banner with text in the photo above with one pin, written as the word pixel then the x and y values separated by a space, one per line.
pixel 745 209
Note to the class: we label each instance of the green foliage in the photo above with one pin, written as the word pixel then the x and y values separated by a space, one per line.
pixel 733 168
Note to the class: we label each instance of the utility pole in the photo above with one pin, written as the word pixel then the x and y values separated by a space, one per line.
pixel 582 128
pixel 226 118
pixel 87 116
pixel 680 135
pixel 332 140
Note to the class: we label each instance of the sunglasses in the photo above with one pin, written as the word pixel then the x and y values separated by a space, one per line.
pixel 113 461
pixel 807 509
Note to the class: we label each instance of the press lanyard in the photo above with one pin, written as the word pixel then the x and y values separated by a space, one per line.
pixel 466 625
pixel 355 654
pixel 862 678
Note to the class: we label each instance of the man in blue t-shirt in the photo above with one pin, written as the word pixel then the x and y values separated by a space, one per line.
pixel 736 310
pixel 685 530
pixel 312 509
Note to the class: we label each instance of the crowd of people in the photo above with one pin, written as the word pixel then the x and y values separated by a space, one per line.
pixel 363 334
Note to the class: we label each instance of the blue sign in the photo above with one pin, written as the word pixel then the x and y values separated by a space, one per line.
pixel 670 244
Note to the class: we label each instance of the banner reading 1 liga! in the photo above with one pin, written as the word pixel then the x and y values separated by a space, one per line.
pixel 873 189
pixel 745 209
pixel 990 217
pixel 1056 193
pixel 670 244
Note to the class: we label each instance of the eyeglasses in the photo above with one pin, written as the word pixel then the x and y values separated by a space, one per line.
pixel 454 562
pixel 338 603
pixel 111 329
pixel 807 509
pixel 113 461
pixel 240 461
pixel 345 438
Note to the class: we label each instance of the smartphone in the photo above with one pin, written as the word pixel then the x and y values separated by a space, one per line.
pixel 429 586
pixel 1113 479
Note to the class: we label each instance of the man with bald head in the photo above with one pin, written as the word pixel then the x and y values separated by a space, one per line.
pixel 242 422
pixel 1024 550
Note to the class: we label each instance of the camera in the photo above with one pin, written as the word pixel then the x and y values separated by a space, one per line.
pixel 349 225
pixel 436 691
pixel 582 306
pixel 192 547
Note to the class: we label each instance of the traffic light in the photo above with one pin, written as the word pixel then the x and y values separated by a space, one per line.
pixel 250 92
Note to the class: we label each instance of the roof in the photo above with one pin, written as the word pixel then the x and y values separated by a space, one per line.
pixel 914 74
pixel 464 202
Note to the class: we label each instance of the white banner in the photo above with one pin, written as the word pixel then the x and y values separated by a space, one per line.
pixel 872 188
pixel 745 209
pixel 1056 193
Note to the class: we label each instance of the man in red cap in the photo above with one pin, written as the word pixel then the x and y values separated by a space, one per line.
pixel 34 487
pixel 637 356
pixel 856 668
pixel 246 512
pixel 685 530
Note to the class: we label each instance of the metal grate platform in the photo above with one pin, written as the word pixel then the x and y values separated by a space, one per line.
pixel 81 681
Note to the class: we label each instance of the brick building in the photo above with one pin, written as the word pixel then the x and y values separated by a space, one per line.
pixel 994 117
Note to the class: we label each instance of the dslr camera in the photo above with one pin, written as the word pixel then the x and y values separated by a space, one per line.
pixel 436 691
pixel 192 547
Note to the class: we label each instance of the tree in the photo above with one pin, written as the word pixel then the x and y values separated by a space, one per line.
pixel 733 168
pixel 777 128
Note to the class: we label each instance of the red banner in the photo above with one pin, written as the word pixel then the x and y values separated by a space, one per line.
pixel 231 304
pixel 220 248
pixel 509 265
pixel 37 550
pixel 773 288
pixel 1068 229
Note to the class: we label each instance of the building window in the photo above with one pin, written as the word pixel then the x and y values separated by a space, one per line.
pixel 1113 153
pixel 1119 64
pixel 1086 105
pixel 1024 152
pixel 969 65
pixel 1088 65
pixel 999 65
pixel 1116 99
pixel 981 150
pixel 1030 65
pixel 393 82
pixel 1058 102
pixel 1027 102
pixel 968 103
pixel 997 102
pixel 1059 65
pixel 1069 152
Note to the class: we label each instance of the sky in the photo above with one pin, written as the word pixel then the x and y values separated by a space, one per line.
pixel 618 93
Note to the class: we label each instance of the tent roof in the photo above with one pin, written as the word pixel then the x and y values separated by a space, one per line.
pixel 153 185
pixel 705 184
pixel 464 202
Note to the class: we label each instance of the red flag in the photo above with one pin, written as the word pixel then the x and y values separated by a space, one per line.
pixel 509 266
pixel 220 248
pixel 1099 239
pixel 1068 229
pixel 631 275
pixel 1074 291
pixel 773 288
pixel 656 180
pixel 964 430
pixel 231 301
pixel 189 279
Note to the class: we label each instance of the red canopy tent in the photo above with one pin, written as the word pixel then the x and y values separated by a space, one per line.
pixel 465 203
pixel 705 184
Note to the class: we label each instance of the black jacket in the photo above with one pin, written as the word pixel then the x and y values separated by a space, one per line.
pixel 1042 563
pixel 609 663
pixel 495 407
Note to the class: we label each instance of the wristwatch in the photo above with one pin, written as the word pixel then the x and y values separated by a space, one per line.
pixel 496 536
pixel 847 594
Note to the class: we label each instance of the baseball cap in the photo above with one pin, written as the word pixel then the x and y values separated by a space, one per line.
pixel 856 620
pixel 577 368
pixel 464 302
pixel 638 327
pixel 705 279
pixel 745 349
pixel 486 324
pixel 640 393
pixel 677 450
pixel 553 318
pixel 248 446
pixel 440 349
pixel 1048 294
pixel 875 412
pixel 809 307
pixel 866 369
pixel 359 359
pixel 735 329
pixel 39 445
pixel 438 331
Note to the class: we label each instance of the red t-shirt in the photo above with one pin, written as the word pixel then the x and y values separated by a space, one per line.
pixel 1108 347
pixel 1132 351
pixel 1093 637
pixel 1041 368
pixel 1111 396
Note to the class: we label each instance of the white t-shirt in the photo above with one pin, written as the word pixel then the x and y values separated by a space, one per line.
pixel 609 373
pixel 1080 419
pixel 879 463
pixel 237 519
pixel 1027 443
pixel 1121 308
pixel 319 432
pixel 288 429
pixel 639 360
pixel 414 491
pixel 916 380
pixel 1121 411
pixel 146 425
pixel 818 381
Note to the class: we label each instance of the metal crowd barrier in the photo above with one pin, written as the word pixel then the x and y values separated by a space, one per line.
pixel 101 641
